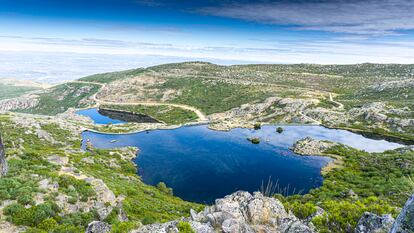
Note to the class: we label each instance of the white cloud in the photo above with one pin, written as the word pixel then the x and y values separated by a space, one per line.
pixel 370 17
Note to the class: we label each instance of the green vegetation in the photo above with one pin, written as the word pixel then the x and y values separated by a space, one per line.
pixel 163 188
pixel 257 126
pixel 212 96
pixel 32 216
pixel 184 227
pixel 113 76
pixel 28 165
pixel 381 182
pixel 8 91
pixel 76 189
pixel 167 114
pixel 60 98
pixel 375 182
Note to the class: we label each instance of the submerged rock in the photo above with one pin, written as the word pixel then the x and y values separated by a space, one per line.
pixel 4 168
pixel 239 212
pixel 372 223
pixel 254 140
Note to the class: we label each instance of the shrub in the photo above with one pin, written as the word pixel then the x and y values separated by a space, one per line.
pixel 79 219
pixel 184 227
pixel 302 210
pixel 123 227
pixel 48 224
pixel 163 188
pixel 73 186
pixel 31 216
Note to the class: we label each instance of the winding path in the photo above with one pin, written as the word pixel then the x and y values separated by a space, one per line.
pixel 201 116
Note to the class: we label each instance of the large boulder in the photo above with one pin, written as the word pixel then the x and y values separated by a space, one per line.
pixel 372 223
pixel 98 227
pixel 405 221
pixel 4 168
pixel 239 212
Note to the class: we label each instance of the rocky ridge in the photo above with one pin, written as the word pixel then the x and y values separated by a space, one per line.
pixel 238 212
pixel 22 102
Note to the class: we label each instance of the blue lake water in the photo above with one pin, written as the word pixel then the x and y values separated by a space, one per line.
pixel 202 164
pixel 97 118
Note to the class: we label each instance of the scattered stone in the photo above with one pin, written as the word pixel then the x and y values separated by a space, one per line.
pixel 45 135
pixel 372 223
pixel 87 160
pixel 98 227
pixel 58 160
pixel 352 194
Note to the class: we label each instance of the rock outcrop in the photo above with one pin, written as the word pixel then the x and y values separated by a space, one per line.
pixel 372 223
pixel 310 146
pixel 23 102
pixel 4 168
pixel 405 221
pixel 98 227
pixel 238 212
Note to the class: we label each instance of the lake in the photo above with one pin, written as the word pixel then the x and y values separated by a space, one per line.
pixel 202 164
pixel 98 118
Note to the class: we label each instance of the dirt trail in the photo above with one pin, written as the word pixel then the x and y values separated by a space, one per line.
pixel 340 105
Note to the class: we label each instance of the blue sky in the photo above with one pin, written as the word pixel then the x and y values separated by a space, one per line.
pixel 296 31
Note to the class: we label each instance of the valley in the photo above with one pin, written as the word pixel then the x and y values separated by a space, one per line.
pixel 67 186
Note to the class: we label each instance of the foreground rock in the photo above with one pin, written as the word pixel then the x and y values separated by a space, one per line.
pixel 405 221
pixel 370 222
pixel 4 168
pixel 239 212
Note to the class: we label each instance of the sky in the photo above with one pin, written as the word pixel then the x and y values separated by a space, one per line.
pixel 225 32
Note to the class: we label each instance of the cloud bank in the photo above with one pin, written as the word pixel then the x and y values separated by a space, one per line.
pixel 370 17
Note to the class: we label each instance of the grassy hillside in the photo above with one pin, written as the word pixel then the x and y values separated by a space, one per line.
pixel 112 76
pixel 39 208
pixel 375 182
pixel 60 98
pixel 211 96
pixel 8 91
